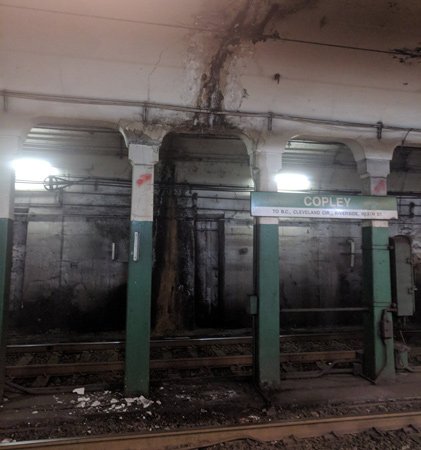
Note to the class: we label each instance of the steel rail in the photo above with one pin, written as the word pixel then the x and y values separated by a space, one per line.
pixel 202 437
pixel 32 370
pixel 160 343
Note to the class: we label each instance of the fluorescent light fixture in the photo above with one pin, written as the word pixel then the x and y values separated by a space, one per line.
pixel 292 181
pixel 30 173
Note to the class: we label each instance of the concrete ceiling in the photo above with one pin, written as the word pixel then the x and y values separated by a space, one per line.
pixel 333 59
pixel 74 140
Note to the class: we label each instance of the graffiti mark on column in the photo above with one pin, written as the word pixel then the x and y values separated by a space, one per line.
pixel 147 177
pixel 380 187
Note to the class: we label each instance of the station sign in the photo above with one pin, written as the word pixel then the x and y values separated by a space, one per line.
pixel 322 206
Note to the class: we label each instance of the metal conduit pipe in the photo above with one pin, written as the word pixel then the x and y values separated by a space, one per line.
pixel 339 309
pixel 269 116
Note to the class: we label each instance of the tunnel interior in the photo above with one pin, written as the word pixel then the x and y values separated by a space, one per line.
pixel 71 236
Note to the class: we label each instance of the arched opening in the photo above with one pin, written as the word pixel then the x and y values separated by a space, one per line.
pixel 203 234
pixel 321 261
pixel 71 231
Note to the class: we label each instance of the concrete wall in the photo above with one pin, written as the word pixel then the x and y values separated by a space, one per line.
pixel 63 275
pixel 203 186
pixel 315 255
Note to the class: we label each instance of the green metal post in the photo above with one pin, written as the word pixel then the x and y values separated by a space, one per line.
pixel 267 351
pixel 379 361
pixel 139 284
pixel 139 308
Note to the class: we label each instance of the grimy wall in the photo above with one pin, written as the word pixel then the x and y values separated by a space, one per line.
pixel 65 275
pixel 266 72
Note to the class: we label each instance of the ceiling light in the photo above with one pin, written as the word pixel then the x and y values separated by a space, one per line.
pixel 292 182
pixel 30 173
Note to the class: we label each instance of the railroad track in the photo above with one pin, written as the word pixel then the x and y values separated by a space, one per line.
pixel 36 365
pixel 202 437
pixel 32 370
pixel 172 342
pixel 226 356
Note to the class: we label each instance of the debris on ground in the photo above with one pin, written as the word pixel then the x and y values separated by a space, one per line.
pixel 79 391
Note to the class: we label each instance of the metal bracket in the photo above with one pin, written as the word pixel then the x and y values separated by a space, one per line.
pixel 136 246
pixel 379 126
pixel 270 121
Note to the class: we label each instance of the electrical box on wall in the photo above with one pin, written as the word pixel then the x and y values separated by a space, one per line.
pixel 402 275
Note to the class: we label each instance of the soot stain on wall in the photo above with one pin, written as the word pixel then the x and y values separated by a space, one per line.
pixel 173 275
pixel 55 312
pixel 406 55
pixel 254 22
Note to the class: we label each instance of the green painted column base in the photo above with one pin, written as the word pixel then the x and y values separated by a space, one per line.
pixel 379 359
pixel 6 242
pixel 379 362
pixel 267 351
pixel 138 321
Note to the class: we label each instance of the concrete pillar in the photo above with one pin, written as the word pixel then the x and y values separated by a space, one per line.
pixel 266 361
pixel 143 158
pixel 8 146
pixel 378 336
